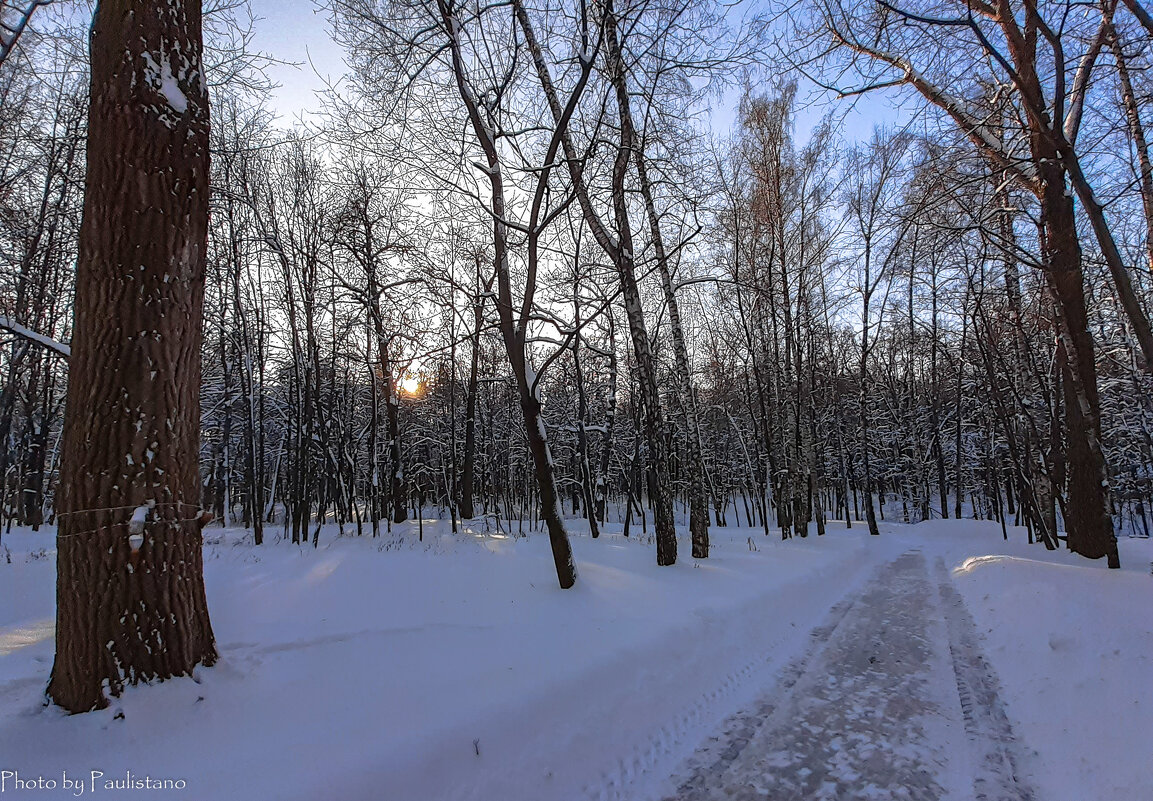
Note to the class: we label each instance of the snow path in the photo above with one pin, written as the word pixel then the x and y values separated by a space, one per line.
pixel 455 669
pixel 892 700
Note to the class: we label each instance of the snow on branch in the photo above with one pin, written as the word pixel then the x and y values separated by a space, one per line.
pixel 60 348
pixel 11 27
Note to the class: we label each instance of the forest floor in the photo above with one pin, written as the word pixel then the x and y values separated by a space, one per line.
pixel 936 661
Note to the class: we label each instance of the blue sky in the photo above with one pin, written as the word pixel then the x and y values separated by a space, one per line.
pixel 293 30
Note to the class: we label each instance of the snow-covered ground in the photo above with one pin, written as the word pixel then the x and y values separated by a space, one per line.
pixel 457 669
pixel 1072 643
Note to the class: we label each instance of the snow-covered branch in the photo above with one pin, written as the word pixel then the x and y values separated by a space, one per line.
pixel 59 348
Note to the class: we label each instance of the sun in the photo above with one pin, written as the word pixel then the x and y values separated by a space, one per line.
pixel 410 385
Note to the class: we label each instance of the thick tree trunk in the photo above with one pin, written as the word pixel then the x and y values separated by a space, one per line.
pixel 133 414
pixel 1087 521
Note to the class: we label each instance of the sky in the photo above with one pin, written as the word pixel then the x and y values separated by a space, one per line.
pixel 293 30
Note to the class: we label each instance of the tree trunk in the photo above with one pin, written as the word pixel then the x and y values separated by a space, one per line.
pixel 468 471
pixel 863 400
pixel 513 332
pixel 601 479
pixel 1087 522
pixel 585 464
pixel 1140 144
pixel 132 427
pixel 620 251
pixel 695 466
pixel 395 454
pixel 655 434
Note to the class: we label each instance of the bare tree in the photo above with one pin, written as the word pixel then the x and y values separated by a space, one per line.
pixel 887 45
pixel 471 46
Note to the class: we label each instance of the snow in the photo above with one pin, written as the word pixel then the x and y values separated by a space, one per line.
pixel 870 711
pixel 1072 643
pixel 456 669
pixel 161 77
pixel 8 324
pixel 136 526
pixel 139 516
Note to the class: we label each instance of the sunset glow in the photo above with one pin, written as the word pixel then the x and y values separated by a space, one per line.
pixel 409 385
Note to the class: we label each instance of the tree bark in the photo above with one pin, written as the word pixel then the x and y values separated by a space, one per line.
pixel 863 397
pixel 1087 522
pixel 624 257
pixel 695 462
pixel 133 415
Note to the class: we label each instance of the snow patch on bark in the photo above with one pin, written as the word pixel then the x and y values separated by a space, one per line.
pixel 164 80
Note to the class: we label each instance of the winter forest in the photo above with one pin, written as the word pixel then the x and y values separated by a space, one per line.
pixel 693 279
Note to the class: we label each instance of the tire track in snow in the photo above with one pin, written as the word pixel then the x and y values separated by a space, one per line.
pixel 865 713
pixel 721 750
pixel 993 747
pixel 630 778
